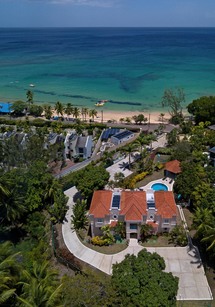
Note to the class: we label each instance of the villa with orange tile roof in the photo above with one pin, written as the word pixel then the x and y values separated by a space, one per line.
pixel 134 208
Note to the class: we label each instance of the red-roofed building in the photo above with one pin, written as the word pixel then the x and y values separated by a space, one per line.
pixel 172 169
pixel 134 208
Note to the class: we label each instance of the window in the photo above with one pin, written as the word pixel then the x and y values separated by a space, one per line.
pixel 166 221
pixel 100 220
pixel 133 226
pixel 151 217
pixel 115 216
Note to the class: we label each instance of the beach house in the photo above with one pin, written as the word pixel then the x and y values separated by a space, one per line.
pixel 134 208
pixel 78 146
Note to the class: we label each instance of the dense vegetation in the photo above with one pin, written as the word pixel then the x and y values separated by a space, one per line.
pixel 31 199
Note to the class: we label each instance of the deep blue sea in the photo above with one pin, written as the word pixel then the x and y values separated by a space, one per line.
pixel 131 67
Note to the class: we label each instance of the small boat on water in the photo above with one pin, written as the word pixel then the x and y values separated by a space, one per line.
pixel 31 85
pixel 100 103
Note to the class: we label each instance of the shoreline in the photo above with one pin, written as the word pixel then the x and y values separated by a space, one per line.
pixel 152 117
pixel 115 116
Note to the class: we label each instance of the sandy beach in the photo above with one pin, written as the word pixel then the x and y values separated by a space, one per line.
pixel 153 117
pixel 117 116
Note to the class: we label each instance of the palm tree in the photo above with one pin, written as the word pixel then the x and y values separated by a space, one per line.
pixel 84 112
pixel 129 149
pixel 59 108
pixel 68 109
pixel 4 191
pixel 79 217
pixel 29 95
pixel 48 111
pixel 161 117
pixel 93 113
pixel 76 112
pixel 145 231
pixel 9 270
pixel 128 120
pixel 209 236
pixel 141 141
pixel 40 287
pixel 202 217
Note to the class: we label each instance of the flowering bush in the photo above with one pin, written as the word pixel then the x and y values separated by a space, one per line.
pixel 137 178
pixel 99 241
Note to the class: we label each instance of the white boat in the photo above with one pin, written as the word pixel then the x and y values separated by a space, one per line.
pixel 99 104
pixel 31 85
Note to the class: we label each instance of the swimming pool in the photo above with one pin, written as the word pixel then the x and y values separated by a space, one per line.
pixel 159 187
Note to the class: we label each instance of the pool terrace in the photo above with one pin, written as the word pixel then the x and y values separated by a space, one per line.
pixel 168 182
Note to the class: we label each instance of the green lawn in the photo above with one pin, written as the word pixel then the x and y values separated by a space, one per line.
pixel 149 178
pixel 160 241
pixel 108 250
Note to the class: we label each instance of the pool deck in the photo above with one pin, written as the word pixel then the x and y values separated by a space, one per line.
pixel 168 182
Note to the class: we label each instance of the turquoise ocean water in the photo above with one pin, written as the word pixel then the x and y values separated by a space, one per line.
pixel 131 67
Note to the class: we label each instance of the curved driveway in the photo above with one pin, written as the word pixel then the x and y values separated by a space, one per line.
pixel 186 265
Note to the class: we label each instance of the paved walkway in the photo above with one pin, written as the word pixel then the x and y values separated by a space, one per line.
pixel 193 283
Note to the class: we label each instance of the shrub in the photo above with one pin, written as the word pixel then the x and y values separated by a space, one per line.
pixel 99 241
pixel 159 166
pixel 137 178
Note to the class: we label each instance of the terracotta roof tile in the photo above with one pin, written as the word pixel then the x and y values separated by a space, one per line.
pixel 165 204
pixel 113 223
pixel 133 205
pixel 173 166
pixel 100 204
pixel 153 224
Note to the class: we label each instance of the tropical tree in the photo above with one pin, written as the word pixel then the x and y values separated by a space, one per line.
pixel 203 109
pixel 128 120
pixel 140 281
pixel 146 230
pixel 141 141
pixel 177 236
pixel 201 219
pixel 30 96
pixel 89 179
pixel 161 117
pixel 81 290
pixel 35 110
pixel 9 272
pixel 68 109
pixel 19 108
pixel 76 112
pixel 93 113
pixel 120 230
pixel 174 99
pixel 40 286
pixel 107 235
pixel 84 113
pixel 129 149
pixel 79 217
pixel 209 236
pixel 172 137
pixel 48 111
pixel 59 108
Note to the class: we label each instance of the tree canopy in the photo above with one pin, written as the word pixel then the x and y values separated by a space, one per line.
pixel 203 109
pixel 140 281
pixel 89 179
pixel 173 98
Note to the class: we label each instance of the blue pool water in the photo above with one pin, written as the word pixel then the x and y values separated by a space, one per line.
pixel 159 187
